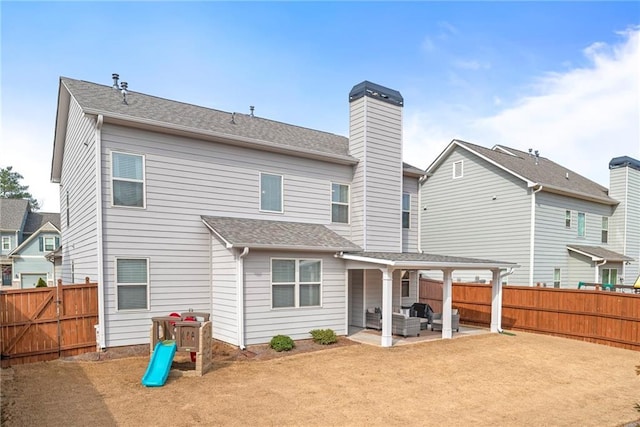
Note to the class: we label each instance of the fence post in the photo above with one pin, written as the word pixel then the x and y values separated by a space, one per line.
pixel 87 280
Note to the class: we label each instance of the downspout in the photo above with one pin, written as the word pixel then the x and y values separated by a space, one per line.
pixel 240 295
pixel 533 235
pixel 509 272
pixel 99 243
pixel 595 280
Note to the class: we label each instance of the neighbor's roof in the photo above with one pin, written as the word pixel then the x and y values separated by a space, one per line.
pixel 258 234
pixel 425 261
pixel 547 174
pixel 597 253
pixel 35 220
pixel 12 213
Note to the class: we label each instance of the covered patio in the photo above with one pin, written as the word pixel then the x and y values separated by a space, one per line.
pixel 388 263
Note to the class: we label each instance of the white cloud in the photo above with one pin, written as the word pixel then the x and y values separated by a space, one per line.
pixel 579 118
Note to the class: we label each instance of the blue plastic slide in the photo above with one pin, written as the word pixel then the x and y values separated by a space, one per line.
pixel 160 364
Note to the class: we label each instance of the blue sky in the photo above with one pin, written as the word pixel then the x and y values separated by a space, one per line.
pixel 561 78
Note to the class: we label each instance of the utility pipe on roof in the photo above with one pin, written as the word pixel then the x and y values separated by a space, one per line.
pixel 533 234
pixel 240 295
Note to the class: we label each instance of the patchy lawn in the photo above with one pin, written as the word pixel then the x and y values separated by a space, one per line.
pixel 482 380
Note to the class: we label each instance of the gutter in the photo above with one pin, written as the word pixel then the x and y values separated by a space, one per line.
pixel 99 243
pixel 240 296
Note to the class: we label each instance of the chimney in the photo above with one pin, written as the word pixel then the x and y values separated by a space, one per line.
pixel 375 139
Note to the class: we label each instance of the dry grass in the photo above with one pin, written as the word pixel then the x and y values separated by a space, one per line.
pixel 482 380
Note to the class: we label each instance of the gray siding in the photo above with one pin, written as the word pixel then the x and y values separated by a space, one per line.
pixel 263 322
pixel 356 298
pixel 463 219
pixel 78 179
pixel 410 236
pixel 624 228
pixel 186 178
pixel 373 288
pixel 224 310
pixel 580 268
pixel 376 140
pixel 552 236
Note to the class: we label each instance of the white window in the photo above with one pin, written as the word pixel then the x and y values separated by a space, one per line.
pixel 6 243
pixel 127 180
pixel 49 244
pixel 605 229
pixel 457 169
pixel 405 284
pixel 132 284
pixel 556 277
pixel 406 210
pixel 295 283
pixel 567 219
pixel 340 203
pixel 270 192
pixel 581 224
pixel 609 276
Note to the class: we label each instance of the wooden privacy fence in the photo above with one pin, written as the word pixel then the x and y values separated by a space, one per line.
pixel 609 318
pixel 47 323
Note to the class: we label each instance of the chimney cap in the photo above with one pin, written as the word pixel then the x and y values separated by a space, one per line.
pixel 624 161
pixel 372 90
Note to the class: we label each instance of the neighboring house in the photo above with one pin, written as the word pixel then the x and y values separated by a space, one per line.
pixel 26 238
pixel 270 227
pixel 559 226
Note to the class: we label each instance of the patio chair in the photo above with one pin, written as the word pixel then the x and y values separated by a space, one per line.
pixel 404 325
pixel 373 318
pixel 436 322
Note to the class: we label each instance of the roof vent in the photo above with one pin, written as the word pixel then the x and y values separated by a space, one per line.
pixel 566 175
pixel 537 156
pixel 124 86
pixel 233 118
pixel 115 78
pixel 531 151
pixel 251 108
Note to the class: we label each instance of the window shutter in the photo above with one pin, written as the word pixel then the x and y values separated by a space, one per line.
pixel 41 244
pixel 57 243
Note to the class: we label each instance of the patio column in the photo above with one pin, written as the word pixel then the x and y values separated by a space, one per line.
pixel 496 302
pixel 387 307
pixel 446 304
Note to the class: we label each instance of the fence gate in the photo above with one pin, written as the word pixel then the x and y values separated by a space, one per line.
pixel 47 323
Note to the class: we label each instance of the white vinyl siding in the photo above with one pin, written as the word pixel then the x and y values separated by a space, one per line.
pixel 340 203
pixel 270 192
pixel 410 235
pixel 132 284
pixel 624 225
pixel 224 294
pixel 127 177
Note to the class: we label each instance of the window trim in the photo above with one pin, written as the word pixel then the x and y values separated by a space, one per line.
pixel 281 192
pixel 117 285
pixel 7 240
pixel 53 244
pixel 296 283
pixel 347 204
pixel 408 212
pixel 143 181
pixel 453 172
pixel 567 218
pixel 584 224
pixel 608 270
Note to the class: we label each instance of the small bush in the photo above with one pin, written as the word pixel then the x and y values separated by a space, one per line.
pixel 41 283
pixel 324 336
pixel 281 343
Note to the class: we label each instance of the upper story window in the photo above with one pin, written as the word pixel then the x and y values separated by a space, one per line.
pixel 127 176
pixel 48 243
pixel 270 192
pixel 457 169
pixel 567 219
pixel 6 243
pixel 406 210
pixel 132 284
pixel 581 224
pixel 340 203
pixel 295 283
pixel 605 229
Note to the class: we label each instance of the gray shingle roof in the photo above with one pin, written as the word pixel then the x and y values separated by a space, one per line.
pixel 412 170
pixel 545 172
pixel 35 220
pixel 419 258
pixel 106 100
pixel 256 233
pixel 12 213
pixel 600 253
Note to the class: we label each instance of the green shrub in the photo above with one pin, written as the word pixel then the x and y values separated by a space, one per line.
pixel 41 283
pixel 281 343
pixel 324 336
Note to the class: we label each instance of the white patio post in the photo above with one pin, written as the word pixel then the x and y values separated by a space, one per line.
pixel 496 302
pixel 446 304
pixel 387 287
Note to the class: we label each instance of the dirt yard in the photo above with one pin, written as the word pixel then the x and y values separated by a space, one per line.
pixel 481 380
